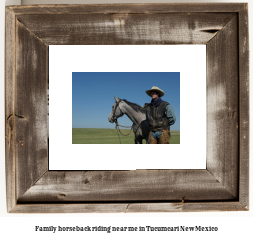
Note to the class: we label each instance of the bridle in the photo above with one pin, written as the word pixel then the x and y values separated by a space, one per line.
pixel 114 119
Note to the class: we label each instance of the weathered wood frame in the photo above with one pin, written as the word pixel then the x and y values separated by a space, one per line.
pixel 222 186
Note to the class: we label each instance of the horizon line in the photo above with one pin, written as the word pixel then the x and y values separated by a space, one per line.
pixel 104 128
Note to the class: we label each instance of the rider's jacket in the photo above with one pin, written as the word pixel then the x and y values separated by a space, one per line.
pixel 157 118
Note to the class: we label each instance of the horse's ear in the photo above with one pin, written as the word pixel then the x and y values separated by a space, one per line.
pixel 116 99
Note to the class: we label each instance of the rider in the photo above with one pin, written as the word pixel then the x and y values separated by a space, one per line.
pixel 160 116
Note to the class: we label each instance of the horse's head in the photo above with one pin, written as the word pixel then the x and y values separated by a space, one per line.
pixel 116 111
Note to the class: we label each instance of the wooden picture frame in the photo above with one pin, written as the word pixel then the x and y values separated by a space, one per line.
pixel 222 186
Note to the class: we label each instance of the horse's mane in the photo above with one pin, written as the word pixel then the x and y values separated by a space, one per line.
pixel 135 106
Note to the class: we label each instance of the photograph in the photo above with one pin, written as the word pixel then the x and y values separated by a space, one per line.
pixel 125 108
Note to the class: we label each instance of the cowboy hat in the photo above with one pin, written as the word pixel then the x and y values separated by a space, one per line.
pixel 154 88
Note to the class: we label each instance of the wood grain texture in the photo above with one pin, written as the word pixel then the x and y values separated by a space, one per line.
pixel 129 8
pixel 129 207
pixel 223 186
pixel 120 29
pixel 139 185
pixel 244 106
pixel 186 207
pixel 222 107
pixel 9 108
pixel 30 108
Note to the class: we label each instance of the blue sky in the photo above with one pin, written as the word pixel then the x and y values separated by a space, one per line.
pixel 93 95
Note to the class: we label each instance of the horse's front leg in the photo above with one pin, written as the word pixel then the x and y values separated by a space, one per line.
pixel 138 140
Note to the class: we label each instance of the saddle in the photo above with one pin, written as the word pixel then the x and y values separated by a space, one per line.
pixel 145 105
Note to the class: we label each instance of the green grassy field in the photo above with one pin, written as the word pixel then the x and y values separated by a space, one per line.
pixel 110 136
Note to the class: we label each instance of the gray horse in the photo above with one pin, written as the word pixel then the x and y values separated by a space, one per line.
pixel 136 114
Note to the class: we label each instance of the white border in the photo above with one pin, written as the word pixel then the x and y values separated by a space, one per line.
pixel 189 60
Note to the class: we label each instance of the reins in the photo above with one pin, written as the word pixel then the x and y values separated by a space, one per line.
pixel 117 128
pixel 117 125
